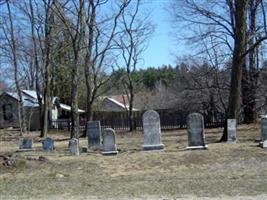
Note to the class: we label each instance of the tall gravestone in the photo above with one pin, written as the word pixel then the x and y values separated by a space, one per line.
pixel 74 147
pixel 263 142
pixel 231 131
pixel 26 144
pixel 48 144
pixel 152 132
pixel 93 134
pixel 109 142
pixel 195 128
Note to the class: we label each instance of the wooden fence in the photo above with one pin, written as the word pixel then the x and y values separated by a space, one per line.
pixel 169 119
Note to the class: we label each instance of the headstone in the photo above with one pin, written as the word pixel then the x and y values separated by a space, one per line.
pixel 26 144
pixel 48 144
pixel 93 134
pixel 264 144
pixel 231 131
pixel 74 147
pixel 152 132
pixel 195 128
pixel 263 132
pixel 109 142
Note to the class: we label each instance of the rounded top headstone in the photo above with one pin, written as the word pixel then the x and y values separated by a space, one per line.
pixel 48 139
pixel 109 131
pixel 193 118
pixel 151 116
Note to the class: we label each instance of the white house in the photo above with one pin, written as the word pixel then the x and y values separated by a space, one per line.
pixel 9 109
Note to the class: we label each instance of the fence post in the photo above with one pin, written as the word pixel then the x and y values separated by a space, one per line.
pixel 134 121
pixel 112 123
pixel 68 121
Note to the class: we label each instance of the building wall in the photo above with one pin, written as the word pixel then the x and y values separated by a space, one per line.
pixel 31 114
pixel 13 111
pixel 32 118
pixel 108 105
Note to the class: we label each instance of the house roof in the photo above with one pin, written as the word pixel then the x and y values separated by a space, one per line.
pixel 30 93
pixel 121 101
pixel 28 101
pixel 68 108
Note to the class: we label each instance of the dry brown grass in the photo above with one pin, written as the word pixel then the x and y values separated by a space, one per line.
pixel 222 170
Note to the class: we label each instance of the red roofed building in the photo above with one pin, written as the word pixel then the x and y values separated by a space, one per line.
pixel 116 103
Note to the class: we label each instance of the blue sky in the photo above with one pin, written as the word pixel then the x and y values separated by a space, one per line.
pixel 161 47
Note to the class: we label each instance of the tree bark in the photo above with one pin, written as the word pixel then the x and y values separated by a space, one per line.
pixel 88 64
pixel 49 20
pixel 251 79
pixel 237 62
pixel 13 46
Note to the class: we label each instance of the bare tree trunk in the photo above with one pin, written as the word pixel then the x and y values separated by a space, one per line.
pixel 49 20
pixel 88 62
pixel 37 67
pixel 249 103
pixel 131 99
pixel 13 48
pixel 237 62
pixel 74 101
pixel 76 45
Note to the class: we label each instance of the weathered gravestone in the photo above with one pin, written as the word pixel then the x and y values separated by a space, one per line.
pixel 263 142
pixel 93 133
pixel 74 147
pixel 109 142
pixel 195 128
pixel 26 144
pixel 231 131
pixel 48 144
pixel 152 132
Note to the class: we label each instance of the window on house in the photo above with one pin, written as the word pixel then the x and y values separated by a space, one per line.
pixel 7 112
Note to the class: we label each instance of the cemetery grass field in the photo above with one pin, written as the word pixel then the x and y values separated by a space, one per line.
pixel 224 171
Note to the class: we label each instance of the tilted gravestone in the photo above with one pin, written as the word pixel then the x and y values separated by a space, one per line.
pixel 109 142
pixel 26 144
pixel 231 131
pixel 195 128
pixel 93 133
pixel 48 144
pixel 74 147
pixel 263 142
pixel 152 132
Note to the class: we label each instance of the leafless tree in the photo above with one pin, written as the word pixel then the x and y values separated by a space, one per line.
pixel 12 42
pixel 99 56
pixel 227 21
pixel 71 13
pixel 133 42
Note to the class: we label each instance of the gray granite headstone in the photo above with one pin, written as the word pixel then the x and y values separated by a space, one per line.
pixel 264 144
pixel 263 131
pixel 231 131
pixel 109 142
pixel 93 133
pixel 152 132
pixel 26 144
pixel 48 144
pixel 74 147
pixel 195 128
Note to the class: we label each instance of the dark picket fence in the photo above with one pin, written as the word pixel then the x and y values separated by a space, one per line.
pixel 169 119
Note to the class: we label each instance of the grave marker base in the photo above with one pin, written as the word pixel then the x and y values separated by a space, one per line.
pixel 109 153
pixel 25 150
pixel 196 147
pixel 153 147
